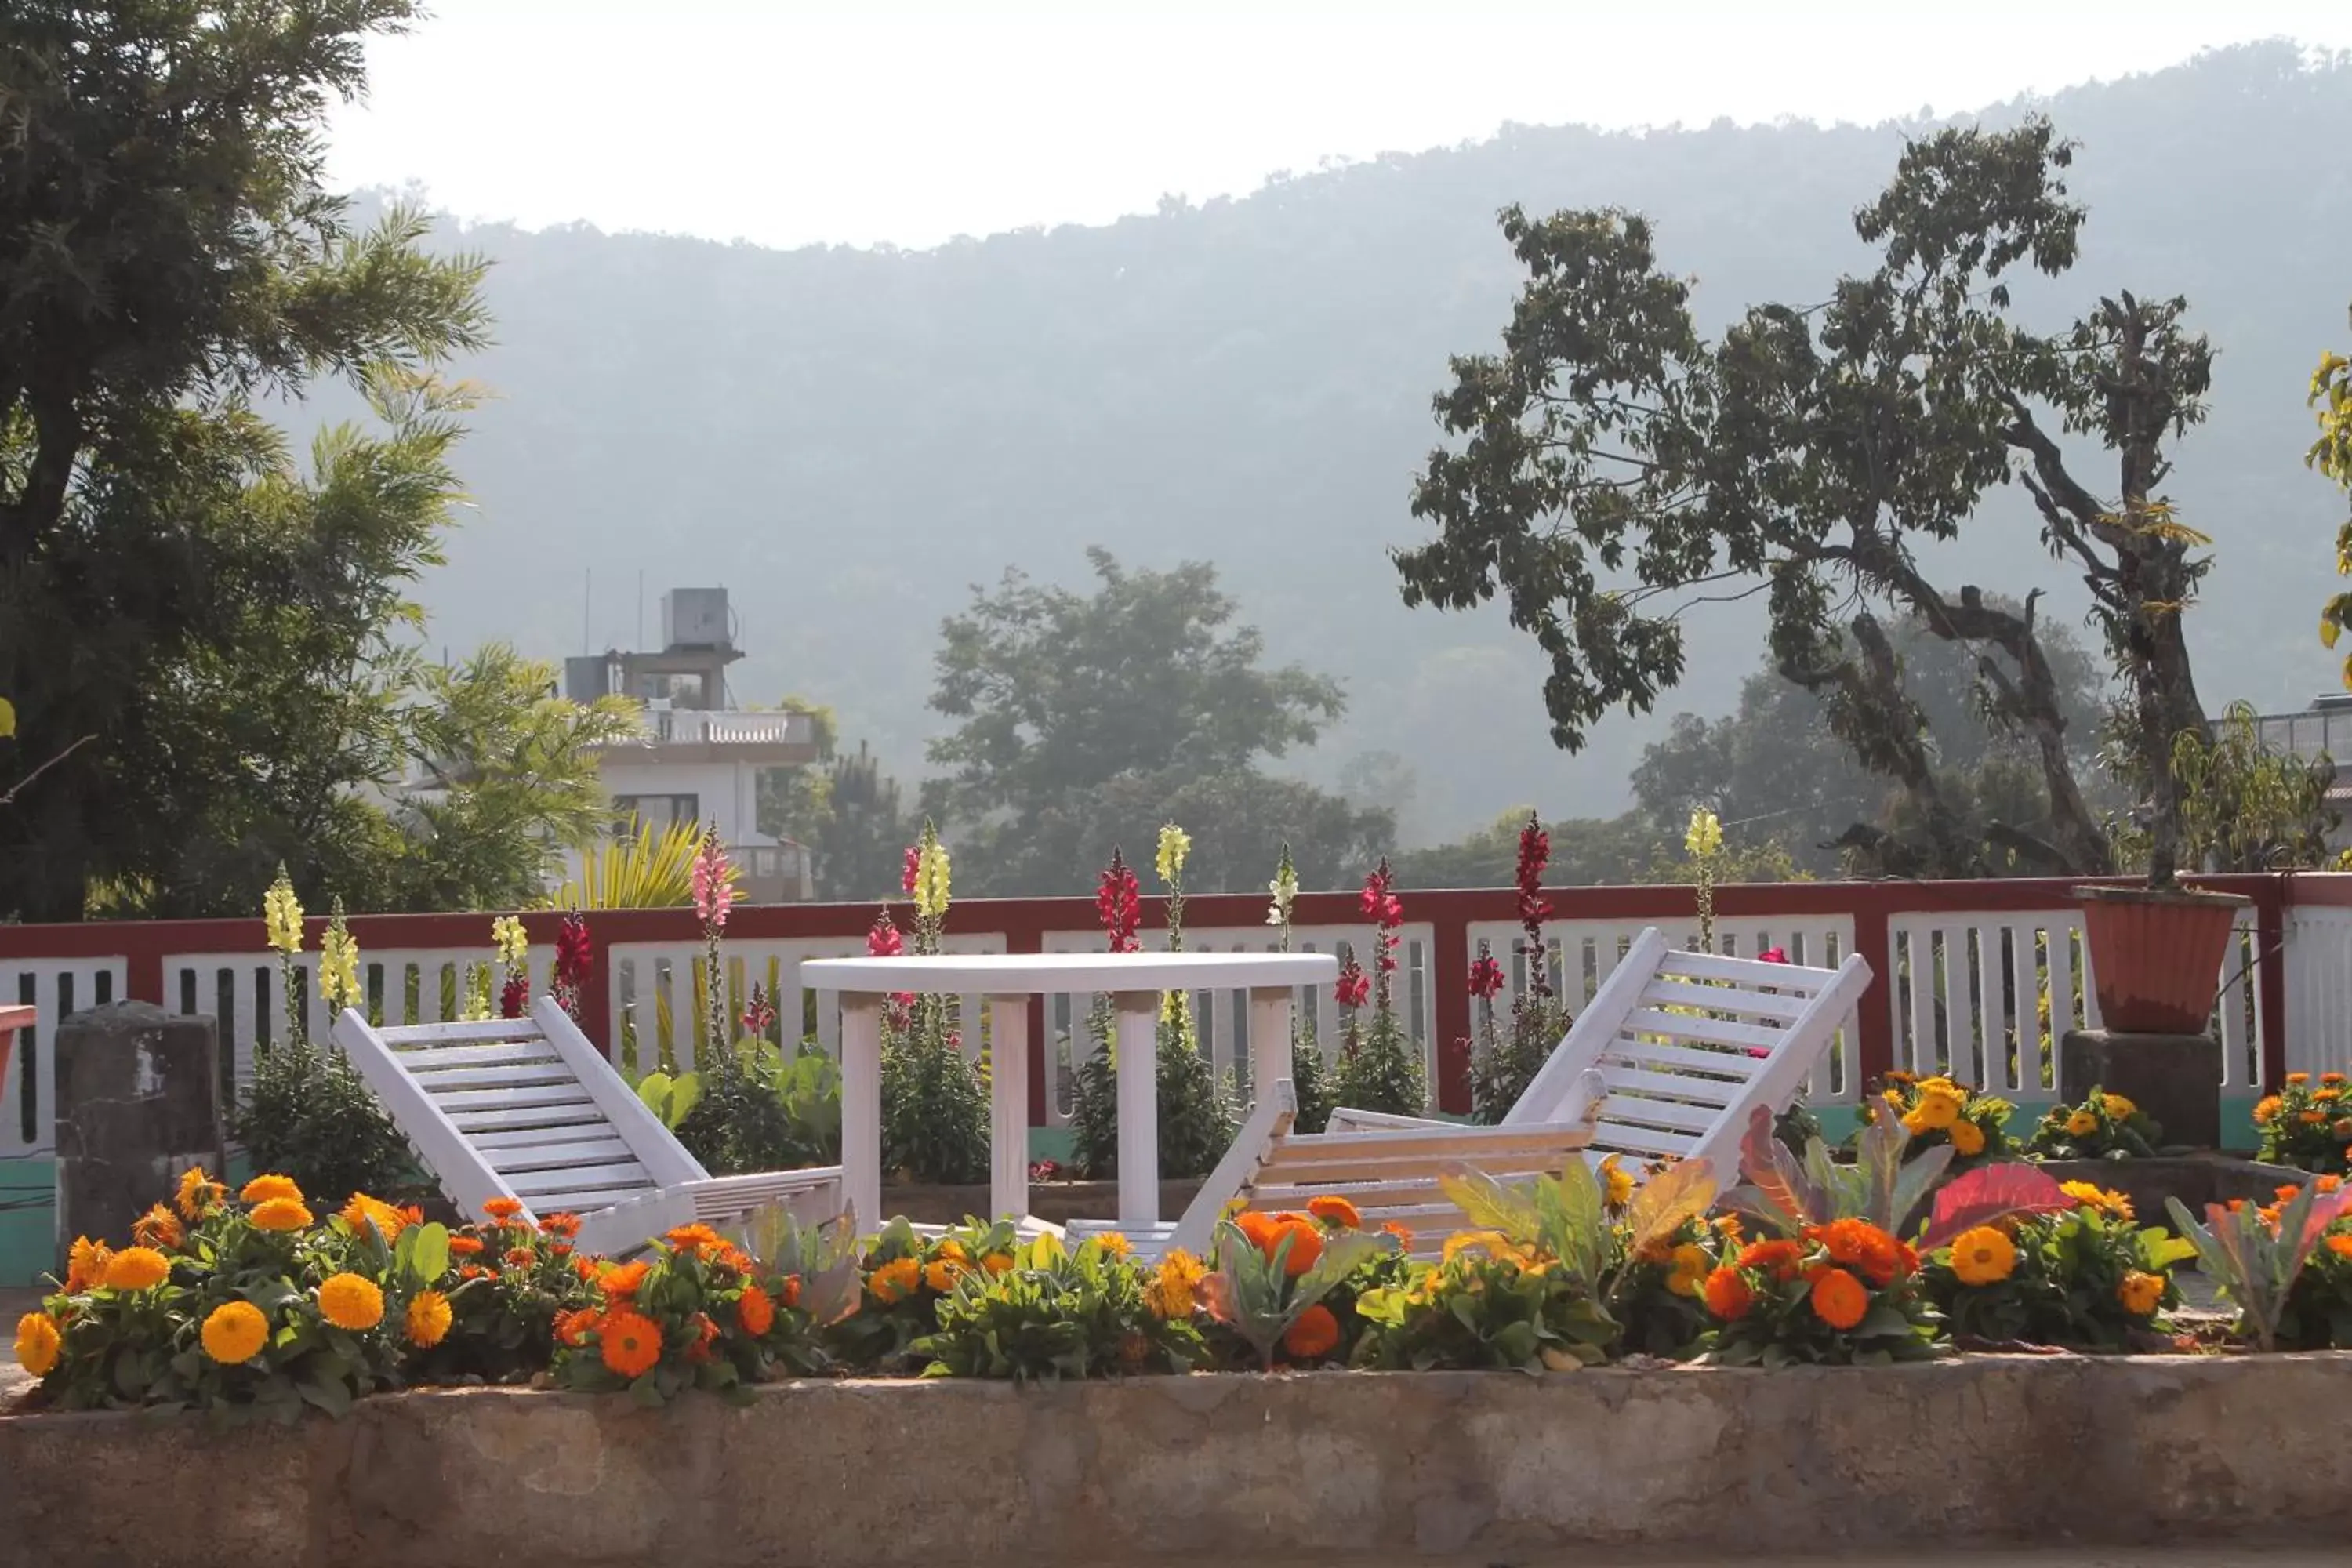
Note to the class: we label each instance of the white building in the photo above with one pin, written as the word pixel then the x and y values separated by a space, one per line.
pixel 697 759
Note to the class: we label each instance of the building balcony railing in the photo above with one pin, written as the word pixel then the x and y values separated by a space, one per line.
pixel 714 727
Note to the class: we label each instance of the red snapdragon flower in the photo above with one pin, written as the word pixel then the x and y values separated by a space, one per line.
pixel 912 871
pixel 1354 987
pixel 1485 976
pixel 1119 901
pixel 514 995
pixel 1773 955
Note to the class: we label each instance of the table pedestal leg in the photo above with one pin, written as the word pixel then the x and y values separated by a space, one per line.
pixel 1138 1106
pixel 1008 1094
pixel 861 1108
pixel 1269 1033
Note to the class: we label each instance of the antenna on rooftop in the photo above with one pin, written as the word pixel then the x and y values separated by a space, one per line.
pixel 587 610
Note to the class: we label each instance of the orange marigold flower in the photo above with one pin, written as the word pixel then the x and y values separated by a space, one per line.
pixel 502 1208
pixel 1403 1233
pixel 997 1263
pixel 1262 1230
pixel 234 1333
pixel 426 1321
pixel 620 1282
pixel 573 1328
pixel 2286 1195
pixel 521 1258
pixel 1728 1294
pixel 895 1280
pixel 693 1238
pixel 465 1246
pixel 756 1311
pixel 281 1215
pixel 86 1263
pixel 198 1193
pixel 1314 1335
pixel 2266 1108
pixel 474 1271
pixel 263 1188
pixel 2141 1293
pixel 1778 1258
pixel 2325 1184
pixel 363 1211
pixel 137 1269
pixel 1839 1299
pixel 1333 1209
pixel 159 1227
pixel 941 1275
pixel 585 1266
pixel 629 1344
pixel 564 1224
pixel 2331 1078
pixel 2312 1117
pixel 2297 1080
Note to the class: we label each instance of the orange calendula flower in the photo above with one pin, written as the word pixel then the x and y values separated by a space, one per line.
pixel 348 1302
pixel 502 1208
pixel 2331 1079
pixel 281 1215
pixel 2297 1080
pixel 464 1247
pixel 693 1238
pixel 895 1280
pixel 629 1344
pixel 363 1211
pixel 620 1281
pixel 234 1333
pixel 86 1263
pixel 564 1224
pixel 2325 1184
pixel 1333 1209
pixel 159 1227
pixel 266 1188
pixel 1261 1229
pixel 1777 1257
pixel 756 1311
pixel 39 1344
pixel 2140 1293
pixel 1839 1299
pixel 2340 1245
pixel 1314 1335
pixel 1729 1294
pixel 521 1258
pixel 997 1263
pixel 1174 1290
pixel 940 1276
pixel 1306 1245
pixel 427 1319
pixel 197 1194
pixel 2267 1107
pixel 792 1290
pixel 573 1328
pixel 705 1331
pixel 137 1269
pixel 1401 1232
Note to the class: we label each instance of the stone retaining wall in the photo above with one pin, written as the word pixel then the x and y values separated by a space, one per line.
pixel 1323 1466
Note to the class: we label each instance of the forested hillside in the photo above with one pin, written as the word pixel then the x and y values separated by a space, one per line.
pixel 848 439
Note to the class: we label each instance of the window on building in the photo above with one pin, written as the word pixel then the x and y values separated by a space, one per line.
pixel 657 811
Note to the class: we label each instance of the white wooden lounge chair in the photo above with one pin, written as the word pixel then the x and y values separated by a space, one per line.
pixel 1679 1085
pixel 1391 1174
pixel 528 1108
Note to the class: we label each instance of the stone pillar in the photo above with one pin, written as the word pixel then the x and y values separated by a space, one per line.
pixel 138 1102
pixel 2176 1079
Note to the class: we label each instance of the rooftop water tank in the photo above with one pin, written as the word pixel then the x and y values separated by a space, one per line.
pixel 695 617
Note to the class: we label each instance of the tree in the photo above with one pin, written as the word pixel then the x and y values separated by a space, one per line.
pixel 844 807
pixel 1811 453
pixel 1777 765
pixel 1088 722
pixel 177 601
pixel 2331 454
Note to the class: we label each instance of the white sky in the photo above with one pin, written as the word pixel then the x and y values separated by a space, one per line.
pixel 790 122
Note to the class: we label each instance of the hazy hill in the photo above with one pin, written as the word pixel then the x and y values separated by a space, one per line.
pixel 846 438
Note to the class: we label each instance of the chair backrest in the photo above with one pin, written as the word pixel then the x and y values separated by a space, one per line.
pixel 1689 1044
pixel 517 1108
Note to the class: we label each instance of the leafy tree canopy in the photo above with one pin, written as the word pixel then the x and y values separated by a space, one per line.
pixel 1086 720
pixel 1611 467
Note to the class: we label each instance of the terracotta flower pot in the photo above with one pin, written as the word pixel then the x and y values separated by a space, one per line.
pixel 2156 955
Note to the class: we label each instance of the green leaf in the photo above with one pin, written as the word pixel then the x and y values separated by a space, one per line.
pixel 428 1249
pixel 329 1395
pixel 646 1390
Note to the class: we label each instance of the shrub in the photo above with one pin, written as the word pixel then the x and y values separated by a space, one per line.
pixel 2306 1124
pixel 2318 1311
pixel 1490 1304
pixel 507 1285
pixel 1379 1063
pixel 934 1105
pixel 1938 1113
pixel 902 1277
pixel 1060 1312
pixel 1844 1293
pixel 1309 1081
pixel 2086 1278
pixel 2256 1256
pixel 1502 1066
pixel 1274 1271
pixel 2104 1127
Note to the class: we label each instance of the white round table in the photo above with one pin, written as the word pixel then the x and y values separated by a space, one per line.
pixel 1134 981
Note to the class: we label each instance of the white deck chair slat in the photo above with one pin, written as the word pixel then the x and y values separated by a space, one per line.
pixel 1622 1138
pixel 1654 1053
pixel 1650 1112
pixel 1714 1031
pixel 567 1091
pixel 509 1159
pixel 519 1074
pixel 534 1186
pixel 1689 1086
pixel 567 1121
pixel 1786 1006
pixel 1744 972
pixel 433 1058
pixel 425 1036
pixel 547 1139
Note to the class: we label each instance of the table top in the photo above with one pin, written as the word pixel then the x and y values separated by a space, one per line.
pixel 1051 974
pixel 15 1018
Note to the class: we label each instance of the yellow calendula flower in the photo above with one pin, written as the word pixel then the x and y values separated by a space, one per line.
pixel 137 1269
pixel 513 943
pixel 427 1319
pixel 269 1185
pixel 1968 1139
pixel 1175 844
pixel 234 1333
pixel 2116 1107
pixel 1938 1108
pixel 2140 1293
pixel 2081 1124
pixel 2092 1197
pixel 1175 1288
pixel 1616 1183
pixel 281 1215
pixel 198 1193
pixel 1692 1265
pixel 349 1301
pixel 1704 837
pixel 281 912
